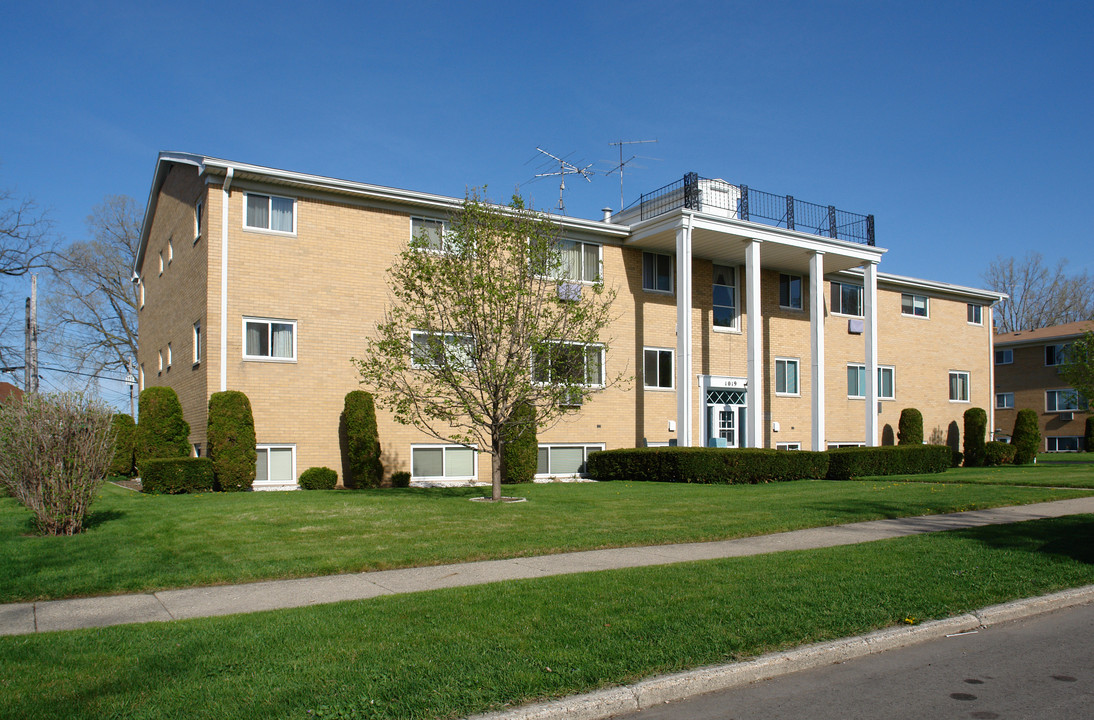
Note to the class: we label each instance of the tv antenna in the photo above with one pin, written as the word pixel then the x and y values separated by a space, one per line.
pixel 564 168
pixel 623 163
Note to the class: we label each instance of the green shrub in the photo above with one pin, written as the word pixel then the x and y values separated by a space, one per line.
pixel 910 427
pixel 400 479
pixel 318 478
pixel 851 463
pixel 707 465
pixel 998 453
pixel 976 426
pixel 231 441
pixel 520 450
pixel 1026 437
pixel 360 442
pixel 124 439
pixel 1088 439
pixel 173 476
pixel 161 432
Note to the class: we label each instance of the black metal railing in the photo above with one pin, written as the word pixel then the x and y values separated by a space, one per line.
pixel 744 203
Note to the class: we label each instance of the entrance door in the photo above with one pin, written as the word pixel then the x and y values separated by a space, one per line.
pixel 723 423
pixel 726 416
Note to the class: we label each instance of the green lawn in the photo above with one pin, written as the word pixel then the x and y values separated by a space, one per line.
pixel 1051 470
pixel 449 653
pixel 142 542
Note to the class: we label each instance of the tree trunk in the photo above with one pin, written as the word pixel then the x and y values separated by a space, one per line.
pixel 495 463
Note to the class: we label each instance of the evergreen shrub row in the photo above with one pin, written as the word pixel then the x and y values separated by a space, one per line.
pixel 1026 437
pixel 318 478
pixel 976 427
pixel 998 453
pixel 231 434
pixel 361 442
pixel 173 476
pixel 125 432
pixel 850 463
pixel 707 465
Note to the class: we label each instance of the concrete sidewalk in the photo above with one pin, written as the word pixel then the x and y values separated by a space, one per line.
pixel 53 615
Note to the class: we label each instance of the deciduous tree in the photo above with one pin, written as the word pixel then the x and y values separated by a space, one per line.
pixel 1079 368
pixel 1039 295
pixel 26 244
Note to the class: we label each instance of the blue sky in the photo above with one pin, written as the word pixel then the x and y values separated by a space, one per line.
pixel 965 128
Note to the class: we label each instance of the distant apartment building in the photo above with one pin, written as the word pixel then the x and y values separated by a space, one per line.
pixel 1027 375
pixel 741 326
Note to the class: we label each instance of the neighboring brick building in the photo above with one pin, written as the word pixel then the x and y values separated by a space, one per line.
pixel 268 282
pixel 1027 375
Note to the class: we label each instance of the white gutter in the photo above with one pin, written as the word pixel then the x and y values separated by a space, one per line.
pixel 225 200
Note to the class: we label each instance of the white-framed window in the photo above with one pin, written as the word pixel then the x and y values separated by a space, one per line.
pixel 434 349
pixel 657 368
pixel 574 363
pixel 1056 354
pixel 1004 401
pixel 269 212
pixel 161 262
pixel 975 314
pixel 443 462
pixel 580 261
pixel 846 299
pixel 1064 400
pixel 788 446
pixel 140 288
pixel 790 291
pixel 842 444
pixel 1004 357
pixel 1063 443
pixel 564 459
pixel 196 450
pixel 914 305
pixel 170 249
pixel 724 288
pixel 856 381
pixel 269 339
pixel 199 210
pixel 275 464
pixel 786 376
pixel 197 342
pixel 159 367
pixel 140 378
pixel 429 233
pixel 959 386
pixel 169 356
pixel 657 272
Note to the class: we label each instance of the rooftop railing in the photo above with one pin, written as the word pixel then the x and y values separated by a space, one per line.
pixel 741 202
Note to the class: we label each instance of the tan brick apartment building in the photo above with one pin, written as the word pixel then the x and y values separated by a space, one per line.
pixel 268 281
pixel 1027 375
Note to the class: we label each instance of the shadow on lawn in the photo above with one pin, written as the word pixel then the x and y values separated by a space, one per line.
pixel 1071 537
pixel 95 518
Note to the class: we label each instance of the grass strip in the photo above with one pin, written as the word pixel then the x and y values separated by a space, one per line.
pixel 448 653
pixel 1052 470
pixel 140 543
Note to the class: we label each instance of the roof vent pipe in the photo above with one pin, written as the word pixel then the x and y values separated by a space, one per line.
pixel 607 214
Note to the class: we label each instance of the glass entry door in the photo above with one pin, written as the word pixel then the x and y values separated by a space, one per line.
pixel 726 416
pixel 723 423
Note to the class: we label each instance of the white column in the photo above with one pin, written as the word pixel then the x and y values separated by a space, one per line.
pixel 816 345
pixel 756 423
pixel 869 302
pixel 683 335
pixel 226 198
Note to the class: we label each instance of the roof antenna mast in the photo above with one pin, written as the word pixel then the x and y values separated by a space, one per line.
pixel 623 163
pixel 564 168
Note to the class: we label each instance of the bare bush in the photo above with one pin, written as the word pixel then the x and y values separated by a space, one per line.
pixel 54 451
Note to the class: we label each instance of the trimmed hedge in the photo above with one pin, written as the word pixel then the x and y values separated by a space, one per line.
pixel 851 463
pixel 400 479
pixel 707 465
pixel 1088 439
pixel 125 431
pixel 232 441
pixel 318 478
pixel 172 476
pixel 910 427
pixel 998 453
pixel 361 442
pixel 520 450
pixel 162 432
pixel 1026 437
pixel 976 425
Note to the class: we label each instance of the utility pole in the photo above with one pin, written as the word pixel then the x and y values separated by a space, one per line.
pixel 31 358
pixel 131 380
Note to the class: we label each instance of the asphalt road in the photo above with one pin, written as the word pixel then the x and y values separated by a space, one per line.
pixel 1038 668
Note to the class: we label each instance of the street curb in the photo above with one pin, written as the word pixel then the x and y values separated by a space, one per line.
pixel 612 702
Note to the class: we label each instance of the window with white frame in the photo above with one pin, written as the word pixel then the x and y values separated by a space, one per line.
pixel 197 342
pixel 569 363
pixel 1063 443
pixel 169 356
pixel 269 212
pixel 725 297
pixel 564 458
pixel 428 233
pixel 140 378
pixel 196 450
pixel 914 305
pixel 1004 357
pixel 443 462
pixel 170 250
pixel 444 350
pixel 790 291
pixel 140 286
pixel 199 209
pixel 656 272
pixel 269 339
pixel 975 314
pixel 1004 401
pixel 1056 354
pixel 840 444
pixel 657 368
pixel 846 299
pixel 161 262
pixel 579 261
pixel 275 464
pixel 1064 400
pixel 959 386
pixel 160 357
pixel 786 376
pixel 856 381
pixel 788 446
